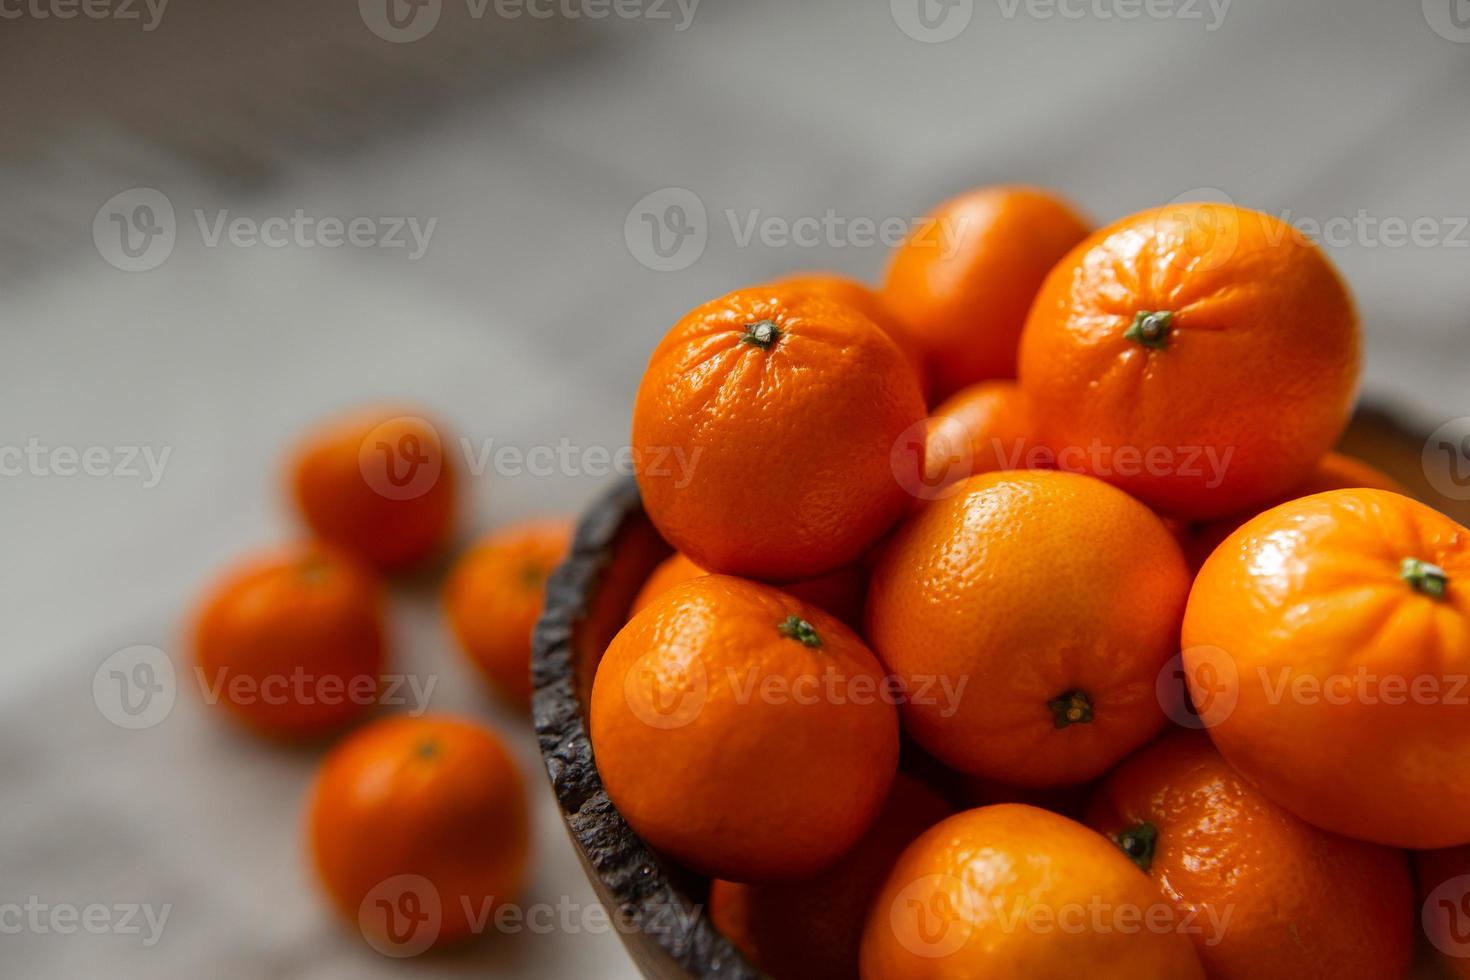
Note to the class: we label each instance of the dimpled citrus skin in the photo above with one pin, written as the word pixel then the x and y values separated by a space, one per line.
pixel 763 429
pixel 293 641
pixel 1027 586
pixel 1334 471
pixel 810 930
pixel 1312 593
pixel 436 796
pixel 672 571
pixel 964 281
pixel 840 593
pixel 1261 358
pixel 493 598
pixel 1011 892
pixel 995 420
pixel 1303 904
pixel 870 303
pixel 717 738
pixel 343 507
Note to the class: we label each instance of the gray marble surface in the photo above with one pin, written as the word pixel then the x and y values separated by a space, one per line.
pixel 527 321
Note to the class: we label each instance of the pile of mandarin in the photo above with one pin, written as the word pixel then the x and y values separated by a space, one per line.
pixel 1105 666
pixel 418 827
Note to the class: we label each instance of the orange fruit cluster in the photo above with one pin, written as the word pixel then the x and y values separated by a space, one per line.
pixel 417 823
pixel 1203 673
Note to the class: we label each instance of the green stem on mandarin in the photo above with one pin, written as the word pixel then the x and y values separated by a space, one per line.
pixel 798 629
pixel 1139 842
pixel 1424 577
pixel 1072 708
pixel 763 334
pixel 1150 328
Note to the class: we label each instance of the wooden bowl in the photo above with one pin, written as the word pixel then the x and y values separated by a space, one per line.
pixel 658 905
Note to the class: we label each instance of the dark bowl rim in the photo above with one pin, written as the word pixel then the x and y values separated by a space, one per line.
pixel 651 900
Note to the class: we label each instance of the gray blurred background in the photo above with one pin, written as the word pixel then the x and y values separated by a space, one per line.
pixel 576 182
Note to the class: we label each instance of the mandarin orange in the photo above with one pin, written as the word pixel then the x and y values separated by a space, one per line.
pixel 379 484
pixel 493 598
pixel 419 831
pixel 1275 898
pixel 1202 357
pixel 840 593
pixel 1327 649
pixel 1028 617
pixel 763 430
pixel 292 643
pixel 743 732
pixel 962 283
pixel 1016 892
